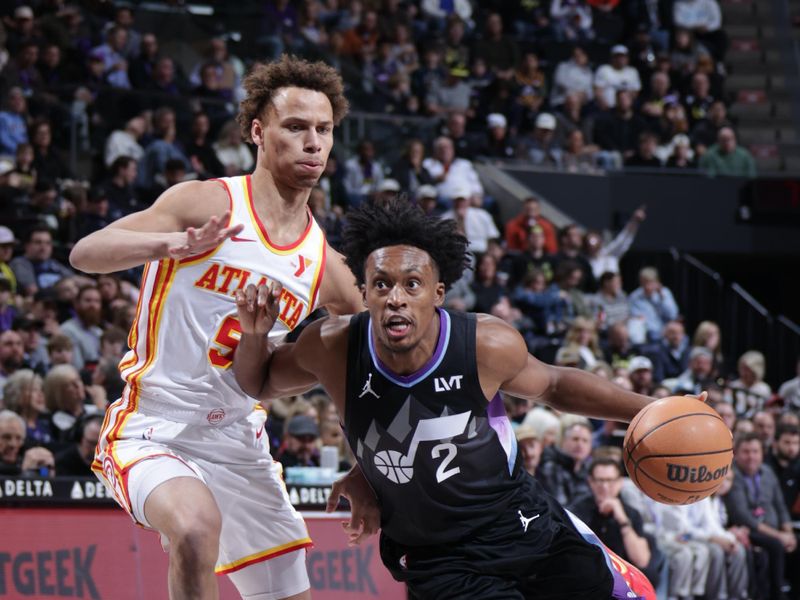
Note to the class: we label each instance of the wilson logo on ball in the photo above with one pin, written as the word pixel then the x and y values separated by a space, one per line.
pixel 701 474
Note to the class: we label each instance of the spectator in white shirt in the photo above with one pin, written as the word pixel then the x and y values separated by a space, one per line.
pixel 606 257
pixel 616 76
pixel 125 142
pixel 790 391
pixel 704 18
pixel 473 222
pixel 573 76
pixel 452 174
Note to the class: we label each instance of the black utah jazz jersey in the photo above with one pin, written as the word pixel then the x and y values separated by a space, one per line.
pixel 442 460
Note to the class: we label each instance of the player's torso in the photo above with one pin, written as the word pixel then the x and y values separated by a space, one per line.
pixel 442 461
pixel 186 328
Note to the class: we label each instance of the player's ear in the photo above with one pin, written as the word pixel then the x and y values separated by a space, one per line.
pixel 257 133
pixel 439 294
pixel 363 289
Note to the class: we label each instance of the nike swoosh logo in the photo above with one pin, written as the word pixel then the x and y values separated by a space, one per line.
pixel 259 432
pixel 239 239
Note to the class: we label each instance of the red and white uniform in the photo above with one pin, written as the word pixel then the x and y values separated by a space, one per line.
pixel 182 410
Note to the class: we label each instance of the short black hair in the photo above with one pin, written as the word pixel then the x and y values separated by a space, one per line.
pixel 786 429
pixel 400 223
pixel 605 461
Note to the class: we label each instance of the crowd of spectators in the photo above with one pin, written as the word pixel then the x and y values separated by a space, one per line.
pixel 576 85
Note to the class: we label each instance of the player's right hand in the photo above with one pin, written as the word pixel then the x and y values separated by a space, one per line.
pixel 258 307
pixel 195 241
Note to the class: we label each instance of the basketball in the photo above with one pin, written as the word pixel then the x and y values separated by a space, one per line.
pixel 678 450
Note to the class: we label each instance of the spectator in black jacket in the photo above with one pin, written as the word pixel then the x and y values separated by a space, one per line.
pixel 563 471
pixel 672 353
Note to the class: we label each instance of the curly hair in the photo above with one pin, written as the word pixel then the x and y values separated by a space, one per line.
pixel 398 222
pixel 265 79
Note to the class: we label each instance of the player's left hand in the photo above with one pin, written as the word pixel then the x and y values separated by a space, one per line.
pixel 365 514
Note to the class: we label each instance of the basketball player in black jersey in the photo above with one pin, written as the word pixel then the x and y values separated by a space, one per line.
pixel 418 387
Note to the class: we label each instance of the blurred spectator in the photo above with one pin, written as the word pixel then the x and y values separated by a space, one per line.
pixel 35 354
pixel 605 257
pixel 726 157
pixel 618 347
pixel 7 242
pixel 764 427
pixel 456 51
pixel 111 54
pixel 84 328
pixel 332 183
pixel 570 247
pixel 473 222
pixel 563 471
pixel 577 156
pixel 13 121
pixel 619 129
pixel 681 156
pixel 499 50
pixel 545 424
pixel 363 173
pixel 699 100
pixel 162 149
pixel 790 391
pixel 22 29
pixel 8 311
pixel 568 277
pixel 125 142
pixel 141 67
pixel 231 151
pixel 572 20
pixel 22 71
pixel 582 335
pixel 451 95
pixel 618 525
pixel 68 402
pixel 756 502
pixel 486 286
pixel 330 219
pixel 542 147
pixel 610 303
pixel 279 27
pixel 698 376
pixel 456 129
pixel 573 76
pixel 23 394
pixel 165 80
pixel 704 19
pixel 60 349
pixel 640 372
pixel 409 170
pixel 653 302
pixel 36 269
pixel 519 265
pixel 706 131
pixel 726 412
pixel 300 444
pixel 530 447
pixel 671 356
pixel 431 73
pixel 707 335
pixel 784 459
pixel 24 173
pixel 122 198
pixel 442 9
pixel 451 174
pixel 615 77
pixel 530 88
pixel 749 392
pixel 213 98
pixel 686 51
pixel 94 212
pixel 518 229
pixel 123 17
pixel 76 460
pixel 645 156
pixel 12 437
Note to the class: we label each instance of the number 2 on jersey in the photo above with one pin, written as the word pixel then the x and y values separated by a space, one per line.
pixel 224 345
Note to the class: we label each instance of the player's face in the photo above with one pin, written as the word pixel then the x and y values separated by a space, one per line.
pixel 401 289
pixel 295 136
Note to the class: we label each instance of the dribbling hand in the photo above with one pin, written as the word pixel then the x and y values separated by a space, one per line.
pixel 258 307
pixel 195 241
pixel 365 514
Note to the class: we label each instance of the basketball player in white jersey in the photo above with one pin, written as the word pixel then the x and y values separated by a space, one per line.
pixel 184 450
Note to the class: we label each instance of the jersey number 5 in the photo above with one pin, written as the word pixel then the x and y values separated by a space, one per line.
pixel 228 335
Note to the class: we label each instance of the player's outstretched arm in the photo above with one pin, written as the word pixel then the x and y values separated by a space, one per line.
pixel 262 369
pixel 504 363
pixel 188 219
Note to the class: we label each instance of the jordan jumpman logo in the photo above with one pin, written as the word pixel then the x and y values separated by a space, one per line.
pixel 367 389
pixel 526 521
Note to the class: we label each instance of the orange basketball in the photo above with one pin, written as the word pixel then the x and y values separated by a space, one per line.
pixel 678 450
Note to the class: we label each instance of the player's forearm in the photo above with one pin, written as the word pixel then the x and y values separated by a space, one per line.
pixel 110 250
pixel 250 364
pixel 576 391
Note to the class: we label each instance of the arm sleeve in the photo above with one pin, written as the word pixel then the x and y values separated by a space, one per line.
pixel 620 244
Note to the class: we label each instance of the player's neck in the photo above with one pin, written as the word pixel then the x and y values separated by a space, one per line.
pixel 282 210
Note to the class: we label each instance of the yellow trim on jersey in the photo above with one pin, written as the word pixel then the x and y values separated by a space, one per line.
pixel 319 270
pixel 263 555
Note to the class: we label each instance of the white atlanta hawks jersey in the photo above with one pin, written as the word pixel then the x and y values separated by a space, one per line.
pixel 186 329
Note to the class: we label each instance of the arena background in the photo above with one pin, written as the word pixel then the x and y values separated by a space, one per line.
pixel 87 82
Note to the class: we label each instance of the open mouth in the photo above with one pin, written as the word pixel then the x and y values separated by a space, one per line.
pixel 397 327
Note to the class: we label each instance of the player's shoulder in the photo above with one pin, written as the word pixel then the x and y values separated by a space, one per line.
pixel 497 342
pixel 195 200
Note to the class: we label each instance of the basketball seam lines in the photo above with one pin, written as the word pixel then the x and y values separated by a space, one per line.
pixel 683 455
pixel 679 417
